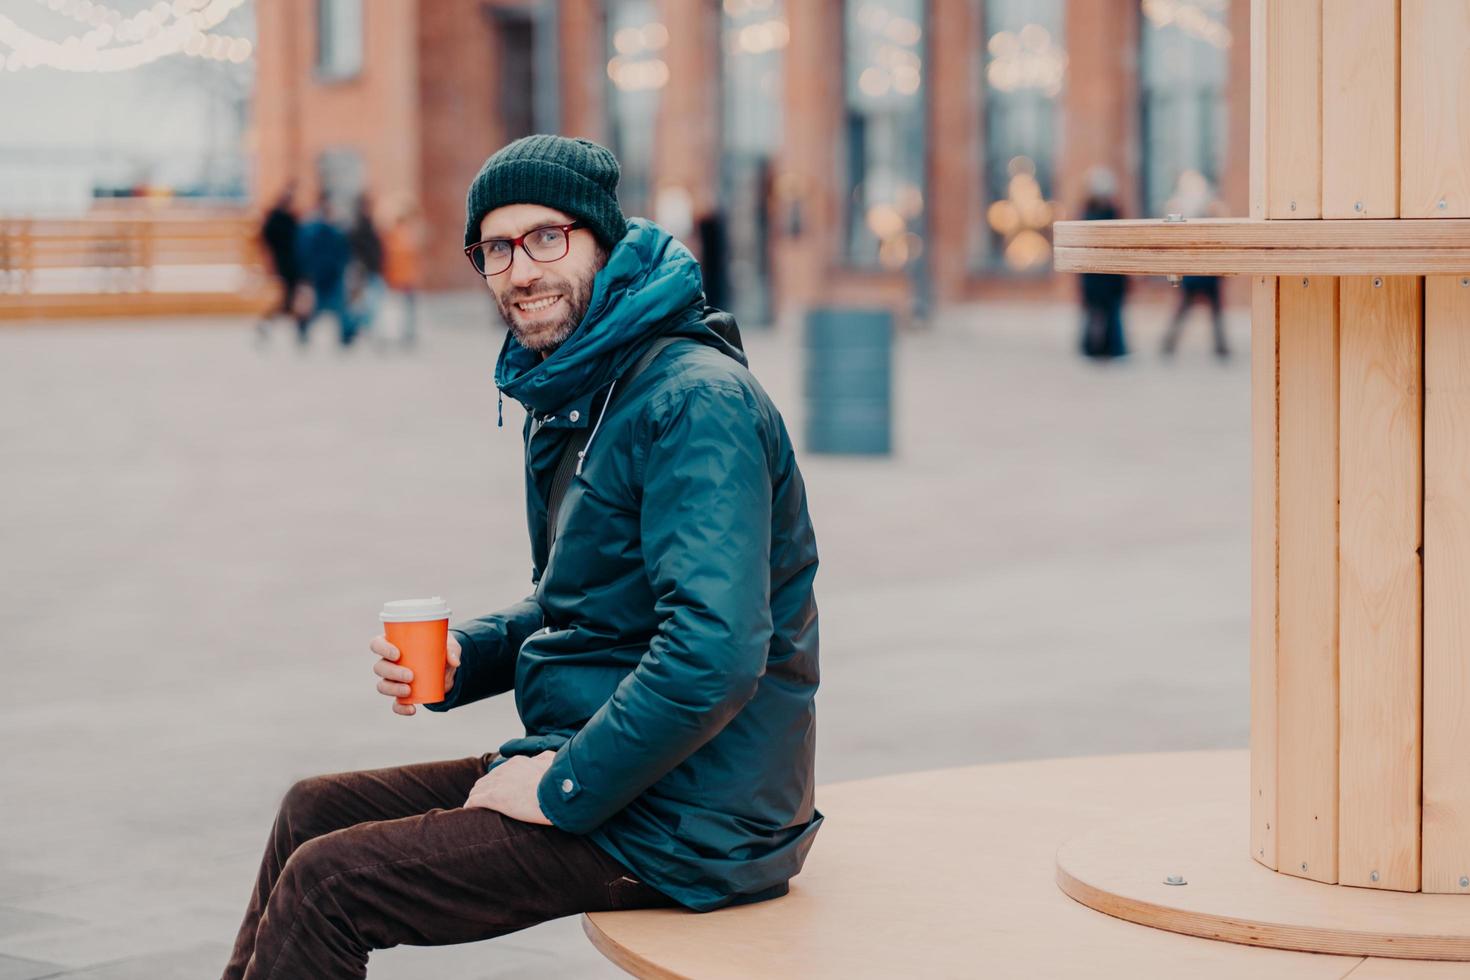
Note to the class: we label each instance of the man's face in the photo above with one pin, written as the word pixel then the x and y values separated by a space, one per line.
pixel 542 302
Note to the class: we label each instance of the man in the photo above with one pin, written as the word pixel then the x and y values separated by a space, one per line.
pixel 665 664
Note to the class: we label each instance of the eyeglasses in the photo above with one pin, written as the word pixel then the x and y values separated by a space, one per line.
pixel 547 244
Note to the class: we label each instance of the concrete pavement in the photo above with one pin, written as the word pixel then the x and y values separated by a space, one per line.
pixel 197 534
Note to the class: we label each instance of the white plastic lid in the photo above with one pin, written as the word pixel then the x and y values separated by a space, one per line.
pixel 414 610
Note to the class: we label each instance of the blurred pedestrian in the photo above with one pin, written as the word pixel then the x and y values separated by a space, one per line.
pixel 1102 295
pixel 403 247
pixel 278 235
pixel 714 257
pixel 365 278
pixel 323 253
pixel 1193 198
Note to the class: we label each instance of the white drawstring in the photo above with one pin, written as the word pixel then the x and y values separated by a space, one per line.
pixel 583 453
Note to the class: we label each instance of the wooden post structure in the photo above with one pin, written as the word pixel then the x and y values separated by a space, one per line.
pixel 1359 252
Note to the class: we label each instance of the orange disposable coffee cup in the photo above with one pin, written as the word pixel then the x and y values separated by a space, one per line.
pixel 419 628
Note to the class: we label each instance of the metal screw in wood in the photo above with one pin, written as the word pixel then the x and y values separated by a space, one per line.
pixel 1175 880
pixel 1293 205
pixel 1465 882
pixel 1442 204
pixel 1358 206
pixel 1377 283
pixel 1373 876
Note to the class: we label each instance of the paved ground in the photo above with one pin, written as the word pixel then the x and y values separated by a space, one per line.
pixel 197 533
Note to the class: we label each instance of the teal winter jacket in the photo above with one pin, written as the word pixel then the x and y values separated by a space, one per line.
pixel 669 651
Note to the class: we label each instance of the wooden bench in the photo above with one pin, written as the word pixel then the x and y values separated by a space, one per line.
pixel 952 873
pixel 133 264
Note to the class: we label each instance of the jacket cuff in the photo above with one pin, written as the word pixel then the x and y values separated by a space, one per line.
pixel 461 673
pixel 563 798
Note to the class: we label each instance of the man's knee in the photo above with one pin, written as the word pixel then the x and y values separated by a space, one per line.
pixel 306 806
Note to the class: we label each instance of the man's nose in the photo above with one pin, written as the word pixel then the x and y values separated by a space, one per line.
pixel 524 270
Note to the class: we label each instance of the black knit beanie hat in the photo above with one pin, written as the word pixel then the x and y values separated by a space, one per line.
pixel 572 175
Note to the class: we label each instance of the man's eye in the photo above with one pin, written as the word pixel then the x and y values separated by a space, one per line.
pixel 547 236
pixel 498 247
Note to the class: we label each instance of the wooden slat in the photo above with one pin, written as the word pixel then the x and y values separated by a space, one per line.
pixel 1446 584
pixel 1241 246
pixel 1260 106
pixel 1381 493
pixel 1306 778
pixel 1256 261
pixel 1265 394
pixel 1435 135
pixel 1205 233
pixel 1360 106
pixel 1294 108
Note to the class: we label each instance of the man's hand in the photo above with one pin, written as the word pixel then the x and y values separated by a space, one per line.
pixel 510 788
pixel 393 679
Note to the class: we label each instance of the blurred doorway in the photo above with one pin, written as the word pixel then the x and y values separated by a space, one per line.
pixel 736 239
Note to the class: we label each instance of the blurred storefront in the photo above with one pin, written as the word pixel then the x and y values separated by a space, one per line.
pixel 910 153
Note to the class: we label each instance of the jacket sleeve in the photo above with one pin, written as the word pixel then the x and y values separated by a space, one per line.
pixel 705 525
pixel 488 649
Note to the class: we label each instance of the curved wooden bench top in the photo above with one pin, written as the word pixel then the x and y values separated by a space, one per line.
pixel 951 873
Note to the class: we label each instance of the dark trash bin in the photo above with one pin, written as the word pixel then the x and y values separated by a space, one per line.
pixel 849 381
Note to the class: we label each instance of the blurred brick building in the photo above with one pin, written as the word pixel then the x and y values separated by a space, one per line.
pixel 904 152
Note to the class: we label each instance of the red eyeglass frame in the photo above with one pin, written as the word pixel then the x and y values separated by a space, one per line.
pixel 520 243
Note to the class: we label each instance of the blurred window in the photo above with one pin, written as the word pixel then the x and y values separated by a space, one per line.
pixel 526 54
pixel 884 130
pixel 1183 59
pixel 1025 68
pixel 342 176
pixel 338 38
pixel 637 73
pixel 735 246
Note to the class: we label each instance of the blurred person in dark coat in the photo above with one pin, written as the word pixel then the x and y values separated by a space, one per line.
pixel 1102 295
pixel 278 235
pixel 323 253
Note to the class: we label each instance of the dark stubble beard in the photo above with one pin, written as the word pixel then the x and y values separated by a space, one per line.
pixel 578 295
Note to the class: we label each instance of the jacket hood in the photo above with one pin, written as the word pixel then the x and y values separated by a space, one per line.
pixel 650 287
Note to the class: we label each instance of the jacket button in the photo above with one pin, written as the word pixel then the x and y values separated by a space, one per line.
pixel 575 415
pixel 566 785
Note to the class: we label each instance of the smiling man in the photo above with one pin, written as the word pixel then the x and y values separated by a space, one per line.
pixel 664 665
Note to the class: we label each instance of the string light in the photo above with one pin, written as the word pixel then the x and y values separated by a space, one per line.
pixel 1027 58
pixel 1191 17
pixel 636 67
pixel 164 29
pixel 1022 217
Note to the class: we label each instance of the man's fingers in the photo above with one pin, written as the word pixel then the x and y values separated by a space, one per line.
pixel 383 648
pixel 392 671
pixel 392 689
pixel 403 709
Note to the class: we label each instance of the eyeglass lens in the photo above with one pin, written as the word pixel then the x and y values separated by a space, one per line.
pixel 543 244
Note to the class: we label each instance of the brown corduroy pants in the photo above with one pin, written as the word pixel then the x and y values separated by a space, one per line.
pixel 367 860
